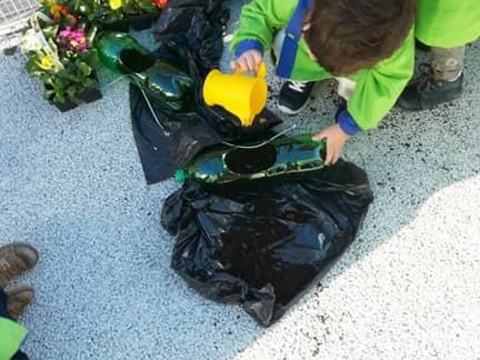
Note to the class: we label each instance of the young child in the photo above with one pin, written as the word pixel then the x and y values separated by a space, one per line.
pixel 446 26
pixel 367 45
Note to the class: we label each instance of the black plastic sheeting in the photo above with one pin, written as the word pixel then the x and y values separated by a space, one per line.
pixel 190 36
pixel 197 24
pixel 263 243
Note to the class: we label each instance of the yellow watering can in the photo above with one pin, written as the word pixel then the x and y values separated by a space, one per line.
pixel 243 95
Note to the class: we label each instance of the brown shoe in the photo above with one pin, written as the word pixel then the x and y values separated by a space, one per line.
pixel 16 258
pixel 18 299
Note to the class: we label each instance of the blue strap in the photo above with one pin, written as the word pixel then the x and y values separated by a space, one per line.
pixel 293 34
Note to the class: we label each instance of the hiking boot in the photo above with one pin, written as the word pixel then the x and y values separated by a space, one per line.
pixel 15 259
pixel 18 299
pixel 426 92
pixel 294 95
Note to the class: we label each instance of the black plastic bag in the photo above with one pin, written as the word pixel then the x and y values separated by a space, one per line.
pixel 169 141
pixel 190 35
pixel 198 25
pixel 263 243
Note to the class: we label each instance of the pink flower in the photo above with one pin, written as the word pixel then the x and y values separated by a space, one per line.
pixel 74 39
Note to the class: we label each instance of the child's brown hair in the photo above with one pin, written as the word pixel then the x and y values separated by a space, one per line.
pixel 348 35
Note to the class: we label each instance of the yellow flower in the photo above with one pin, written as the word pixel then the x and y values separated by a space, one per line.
pixel 115 4
pixel 46 63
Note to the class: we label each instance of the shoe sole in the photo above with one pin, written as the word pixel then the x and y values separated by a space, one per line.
pixel 427 105
pixel 288 111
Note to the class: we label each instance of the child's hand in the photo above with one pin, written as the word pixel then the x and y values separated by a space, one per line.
pixel 249 61
pixel 335 138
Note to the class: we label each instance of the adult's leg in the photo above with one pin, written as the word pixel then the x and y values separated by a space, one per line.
pixel 447 64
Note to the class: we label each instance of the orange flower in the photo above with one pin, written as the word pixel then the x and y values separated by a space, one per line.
pixel 57 10
pixel 160 3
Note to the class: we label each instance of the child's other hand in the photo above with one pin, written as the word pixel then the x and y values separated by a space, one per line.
pixel 335 138
pixel 249 61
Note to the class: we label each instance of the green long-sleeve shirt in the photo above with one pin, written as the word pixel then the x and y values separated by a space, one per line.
pixel 376 90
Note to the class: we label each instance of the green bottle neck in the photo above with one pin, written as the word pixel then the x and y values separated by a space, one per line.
pixel 181 176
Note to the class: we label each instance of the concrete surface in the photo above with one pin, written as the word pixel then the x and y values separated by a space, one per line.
pixel 72 185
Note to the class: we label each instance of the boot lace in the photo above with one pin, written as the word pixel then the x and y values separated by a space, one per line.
pixel 297 86
pixel 426 79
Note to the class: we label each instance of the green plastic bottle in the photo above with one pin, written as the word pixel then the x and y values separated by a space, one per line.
pixel 162 80
pixel 288 155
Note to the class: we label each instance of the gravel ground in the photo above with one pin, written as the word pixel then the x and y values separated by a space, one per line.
pixel 72 185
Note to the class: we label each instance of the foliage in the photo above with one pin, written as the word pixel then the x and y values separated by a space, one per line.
pixel 107 11
pixel 59 49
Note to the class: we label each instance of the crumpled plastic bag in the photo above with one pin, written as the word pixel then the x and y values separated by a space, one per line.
pixel 190 38
pixel 263 243
pixel 198 24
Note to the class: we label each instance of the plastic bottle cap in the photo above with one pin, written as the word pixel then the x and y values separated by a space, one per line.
pixel 181 176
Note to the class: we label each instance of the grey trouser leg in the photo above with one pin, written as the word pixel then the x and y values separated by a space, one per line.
pixel 447 64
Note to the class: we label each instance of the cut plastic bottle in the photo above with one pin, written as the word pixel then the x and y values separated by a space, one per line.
pixel 288 155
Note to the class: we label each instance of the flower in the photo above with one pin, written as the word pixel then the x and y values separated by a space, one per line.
pixel 74 40
pixel 46 63
pixel 58 50
pixel 160 3
pixel 57 11
pixel 115 4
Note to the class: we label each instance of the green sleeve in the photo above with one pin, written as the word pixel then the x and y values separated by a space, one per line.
pixel 11 337
pixel 378 89
pixel 261 19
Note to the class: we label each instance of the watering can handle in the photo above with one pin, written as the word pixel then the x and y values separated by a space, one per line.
pixel 261 72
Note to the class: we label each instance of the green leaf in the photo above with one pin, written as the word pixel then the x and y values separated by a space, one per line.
pixel 59 97
pixel 48 94
pixel 72 94
pixel 85 70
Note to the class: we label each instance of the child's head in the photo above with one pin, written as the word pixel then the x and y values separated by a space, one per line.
pixel 348 35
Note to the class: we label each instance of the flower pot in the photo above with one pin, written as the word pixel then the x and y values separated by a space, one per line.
pixel 90 95
pixel 65 106
pixel 85 96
